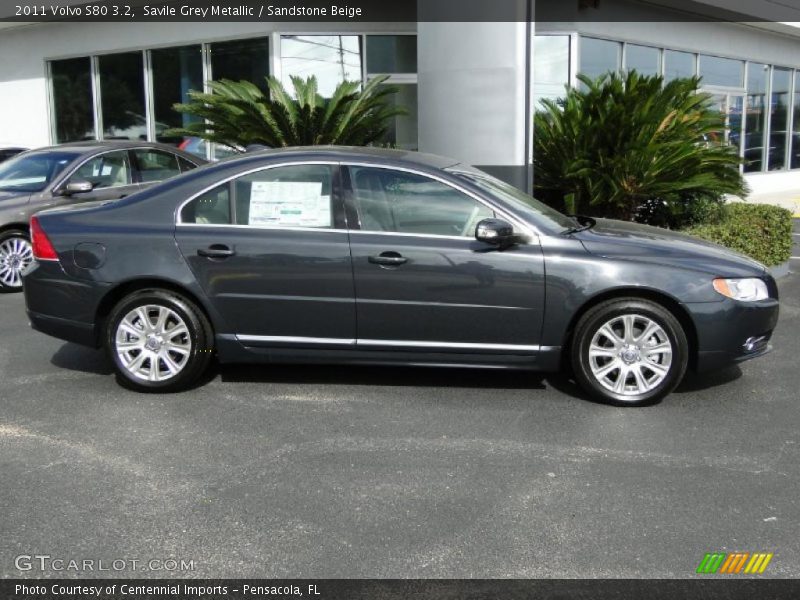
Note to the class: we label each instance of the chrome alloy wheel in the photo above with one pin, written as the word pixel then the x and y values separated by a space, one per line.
pixel 630 355
pixel 153 343
pixel 15 256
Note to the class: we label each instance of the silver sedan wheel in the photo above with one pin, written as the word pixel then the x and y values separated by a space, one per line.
pixel 153 343
pixel 630 355
pixel 15 256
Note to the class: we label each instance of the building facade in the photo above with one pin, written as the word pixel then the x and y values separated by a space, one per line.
pixel 470 88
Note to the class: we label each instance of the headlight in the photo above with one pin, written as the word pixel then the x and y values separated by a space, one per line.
pixel 746 290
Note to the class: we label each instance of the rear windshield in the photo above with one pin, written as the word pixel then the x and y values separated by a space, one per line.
pixel 33 172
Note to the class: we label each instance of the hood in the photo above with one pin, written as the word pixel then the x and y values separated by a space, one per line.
pixel 643 243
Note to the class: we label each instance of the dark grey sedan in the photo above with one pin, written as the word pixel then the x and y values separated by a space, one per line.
pixel 70 174
pixel 362 256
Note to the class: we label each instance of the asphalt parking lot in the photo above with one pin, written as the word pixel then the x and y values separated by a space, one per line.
pixel 355 472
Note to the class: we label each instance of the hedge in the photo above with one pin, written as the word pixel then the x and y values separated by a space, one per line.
pixel 761 231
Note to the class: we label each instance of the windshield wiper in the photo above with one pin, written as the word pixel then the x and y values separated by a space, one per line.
pixel 584 223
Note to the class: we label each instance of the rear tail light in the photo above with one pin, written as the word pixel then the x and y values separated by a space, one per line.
pixel 42 247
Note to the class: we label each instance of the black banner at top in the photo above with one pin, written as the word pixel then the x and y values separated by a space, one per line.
pixel 375 11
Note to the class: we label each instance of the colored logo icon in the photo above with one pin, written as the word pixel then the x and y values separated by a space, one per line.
pixel 734 563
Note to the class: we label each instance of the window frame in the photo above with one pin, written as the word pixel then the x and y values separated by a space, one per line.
pixel 337 204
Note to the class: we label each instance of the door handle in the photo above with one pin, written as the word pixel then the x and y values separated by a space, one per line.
pixel 388 259
pixel 216 251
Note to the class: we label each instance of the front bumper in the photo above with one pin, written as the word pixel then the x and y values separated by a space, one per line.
pixel 730 331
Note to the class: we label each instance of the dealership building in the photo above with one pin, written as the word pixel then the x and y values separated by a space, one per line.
pixel 470 88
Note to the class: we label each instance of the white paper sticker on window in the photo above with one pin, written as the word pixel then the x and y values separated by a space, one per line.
pixel 289 204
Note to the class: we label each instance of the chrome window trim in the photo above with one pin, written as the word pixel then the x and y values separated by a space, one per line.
pixel 289 339
pixel 531 232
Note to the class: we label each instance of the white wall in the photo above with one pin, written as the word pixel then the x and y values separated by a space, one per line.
pixel 24 50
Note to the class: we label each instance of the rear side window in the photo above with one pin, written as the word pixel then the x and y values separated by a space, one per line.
pixel 211 208
pixel 186 165
pixel 291 196
pixel 156 165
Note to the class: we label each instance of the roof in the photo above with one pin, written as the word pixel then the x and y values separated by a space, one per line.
pixel 351 153
pixel 90 145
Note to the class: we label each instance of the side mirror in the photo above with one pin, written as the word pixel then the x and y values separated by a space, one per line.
pixel 78 186
pixel 496 232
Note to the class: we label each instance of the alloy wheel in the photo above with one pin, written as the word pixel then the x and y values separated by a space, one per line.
pixel 153 343
pixel 630 355
pixel 15 256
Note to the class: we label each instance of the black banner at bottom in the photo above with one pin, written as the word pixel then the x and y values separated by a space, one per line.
pixel 396 589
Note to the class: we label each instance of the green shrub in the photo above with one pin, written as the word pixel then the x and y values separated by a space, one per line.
pixel 616 144
pixel 238 114
pixel 761 231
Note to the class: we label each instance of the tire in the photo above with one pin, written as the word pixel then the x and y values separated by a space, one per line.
pixel 652 358
pixel 169 352
pixel 15 256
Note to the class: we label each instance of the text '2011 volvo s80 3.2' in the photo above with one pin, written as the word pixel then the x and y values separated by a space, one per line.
pixel 366 256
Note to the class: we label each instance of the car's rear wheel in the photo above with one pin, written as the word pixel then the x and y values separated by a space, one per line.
pixel 158 341
pixel 15 256
pixel 629 352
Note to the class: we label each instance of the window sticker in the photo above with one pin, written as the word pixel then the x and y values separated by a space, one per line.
pixel 289 204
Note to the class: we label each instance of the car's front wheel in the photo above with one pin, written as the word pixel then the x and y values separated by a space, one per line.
pixel 15 256
pixel 629 351
pixel 158 341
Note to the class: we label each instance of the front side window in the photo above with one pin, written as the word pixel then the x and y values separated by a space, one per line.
pixel 112 169
pixel 156 165
pixel 401 202
pixel 290 196
pixel 32 172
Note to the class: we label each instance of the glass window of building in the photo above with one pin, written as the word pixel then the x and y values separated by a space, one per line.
pixel 73 115
pixel 755 117
pixel 331 58
pixel 176 72
pixel 403 129
pixel 678 65
pixel 550 67
pixel 724 72
pixel 779 118
pixel 241 60
pixel 642 59
pixel 122 96
pixel 795 150
pixel 391 54
pixel 598 57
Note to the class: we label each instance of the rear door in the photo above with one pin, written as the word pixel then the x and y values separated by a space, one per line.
pixel 271 252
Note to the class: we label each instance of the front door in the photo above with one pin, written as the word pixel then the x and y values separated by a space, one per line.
pixel 271 253
pixel 422 280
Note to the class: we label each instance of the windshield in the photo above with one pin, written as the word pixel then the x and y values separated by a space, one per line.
pixel 32 172
pixel 517 199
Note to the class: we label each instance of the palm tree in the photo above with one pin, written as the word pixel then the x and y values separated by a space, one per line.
pixel 619 143
pixel 238 114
